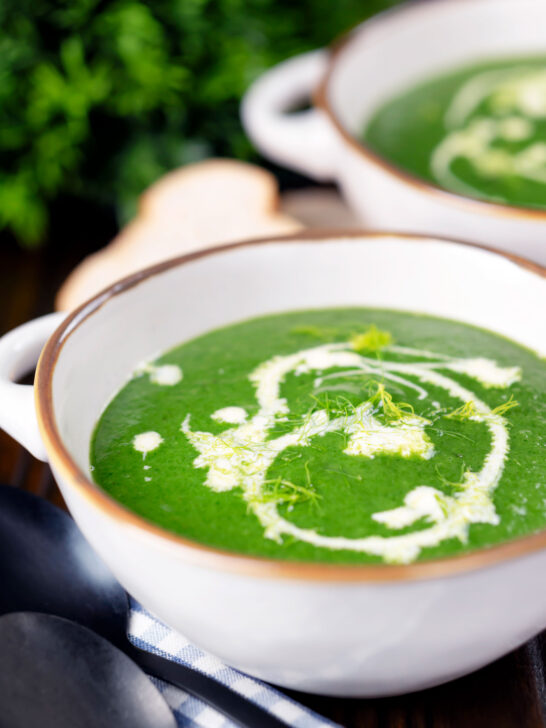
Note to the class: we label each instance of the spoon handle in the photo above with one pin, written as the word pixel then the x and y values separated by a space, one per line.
pixel 236 707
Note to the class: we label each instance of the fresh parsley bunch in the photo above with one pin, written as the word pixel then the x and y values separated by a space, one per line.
pixel 98 98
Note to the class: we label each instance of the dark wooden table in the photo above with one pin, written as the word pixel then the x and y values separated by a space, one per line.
pixel 511 693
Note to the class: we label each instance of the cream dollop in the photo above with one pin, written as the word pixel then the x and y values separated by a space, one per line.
pixel 231 415
pixel 147 441
pixel 166 375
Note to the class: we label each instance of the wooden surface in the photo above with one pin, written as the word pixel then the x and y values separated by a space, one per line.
pixel 511 693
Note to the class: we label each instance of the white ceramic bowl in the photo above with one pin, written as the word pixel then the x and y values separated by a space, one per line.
pixel 342 630
pixel 382 56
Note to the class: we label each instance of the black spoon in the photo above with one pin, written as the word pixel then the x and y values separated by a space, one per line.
pixel 47 566
pixel 58 674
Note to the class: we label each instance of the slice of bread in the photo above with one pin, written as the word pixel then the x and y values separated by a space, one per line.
pixel 198 206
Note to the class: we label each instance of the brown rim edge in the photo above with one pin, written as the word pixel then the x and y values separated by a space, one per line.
pixel 195 553
pixel 320 100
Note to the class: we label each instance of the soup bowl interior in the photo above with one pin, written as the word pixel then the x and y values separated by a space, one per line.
pixel 405 46
pixel 152 313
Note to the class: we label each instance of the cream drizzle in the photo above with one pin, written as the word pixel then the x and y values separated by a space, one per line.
pixel 517 98
pixel 240 456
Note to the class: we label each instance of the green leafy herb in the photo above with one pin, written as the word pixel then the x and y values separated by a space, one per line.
pixel 469 411
pixel 505 406
pixel 284 492
pixel 372 340
pixel 100 98
pixel 465 412
pixel 392 411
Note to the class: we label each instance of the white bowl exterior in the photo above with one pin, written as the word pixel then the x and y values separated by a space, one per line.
pixel 331 638
pixel 384 202
pixel 344 639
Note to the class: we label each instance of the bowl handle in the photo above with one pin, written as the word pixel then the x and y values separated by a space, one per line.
pixel 305 140
pixel 19 353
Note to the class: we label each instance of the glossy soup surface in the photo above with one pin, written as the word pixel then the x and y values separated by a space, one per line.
pixel 479 131
pixel 338 435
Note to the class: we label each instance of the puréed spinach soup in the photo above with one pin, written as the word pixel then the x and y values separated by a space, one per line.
pixel 479 131
pixel 340 435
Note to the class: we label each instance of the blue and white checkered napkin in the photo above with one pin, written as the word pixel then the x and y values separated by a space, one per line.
pixel 150 634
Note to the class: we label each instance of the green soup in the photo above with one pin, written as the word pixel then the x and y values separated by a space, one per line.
pixel 339 435
pixel 478 131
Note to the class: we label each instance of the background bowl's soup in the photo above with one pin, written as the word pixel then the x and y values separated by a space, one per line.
pixel 477 130
pixel 337 435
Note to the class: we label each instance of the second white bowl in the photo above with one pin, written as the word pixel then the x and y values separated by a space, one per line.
pixel 381 57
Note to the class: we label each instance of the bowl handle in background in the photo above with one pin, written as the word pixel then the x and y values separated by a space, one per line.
pixel 19 353
pixel 305 140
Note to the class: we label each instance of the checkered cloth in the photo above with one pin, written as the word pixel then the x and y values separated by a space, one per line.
pixel 150 634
